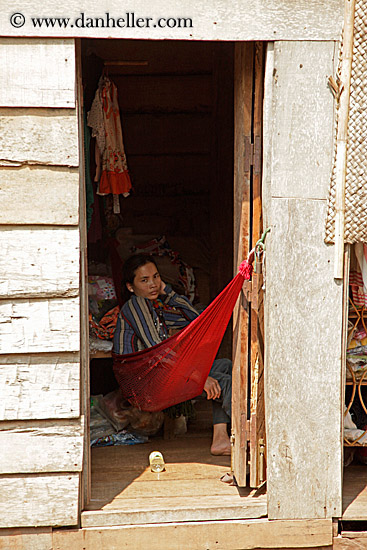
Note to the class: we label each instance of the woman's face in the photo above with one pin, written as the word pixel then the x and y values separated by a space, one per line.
pixel 147 282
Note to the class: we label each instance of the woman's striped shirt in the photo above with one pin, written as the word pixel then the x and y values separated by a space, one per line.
pixel 142 324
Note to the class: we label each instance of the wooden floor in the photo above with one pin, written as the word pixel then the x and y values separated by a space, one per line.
pixel 355 493
pixel 126 492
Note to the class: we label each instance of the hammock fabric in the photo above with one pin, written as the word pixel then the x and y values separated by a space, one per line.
pixel 176 369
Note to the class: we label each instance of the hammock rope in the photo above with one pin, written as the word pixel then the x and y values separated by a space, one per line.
pixel 176 369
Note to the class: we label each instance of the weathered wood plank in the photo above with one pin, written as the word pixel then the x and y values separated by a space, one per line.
pixel 226 535
pixel 41 446
pixel 303 384
pixel 36 387
pixel 39 326
pixel 31 195
pixel 189 458
pixel 267 133
pixel 354 534
pixel 86 476
pixel 105 488
pixel 26 539
pixel 355 493
pixel 243 86
pixel 37 73
pixel 39 262
pixel 302 121
pixel 346 543
pixel 257 405
pixel 211 20
pixel 39 500
pixel 130 511
pixel 39 136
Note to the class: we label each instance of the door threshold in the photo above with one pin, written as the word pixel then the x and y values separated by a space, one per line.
pixel 177 509
pixel 126 492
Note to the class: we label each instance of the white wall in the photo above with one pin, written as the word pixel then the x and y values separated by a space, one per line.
pixel 211 19
pixel 303 301
pixel 41 427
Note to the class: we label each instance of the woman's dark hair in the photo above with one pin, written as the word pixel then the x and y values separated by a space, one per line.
pixel 132 264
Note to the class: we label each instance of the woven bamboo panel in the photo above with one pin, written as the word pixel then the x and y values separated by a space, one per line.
pixel 356 174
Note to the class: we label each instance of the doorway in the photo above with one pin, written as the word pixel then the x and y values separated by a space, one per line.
pixel 177 108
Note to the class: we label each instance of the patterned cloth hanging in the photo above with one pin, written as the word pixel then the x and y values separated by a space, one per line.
pixel 104 119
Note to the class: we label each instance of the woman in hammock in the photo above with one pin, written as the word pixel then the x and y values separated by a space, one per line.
pixel 153 311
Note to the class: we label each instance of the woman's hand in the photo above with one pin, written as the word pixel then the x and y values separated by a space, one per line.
pixel 212 388
pixel 161 290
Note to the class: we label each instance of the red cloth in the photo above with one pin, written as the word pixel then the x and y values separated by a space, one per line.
pixel 106 326
pixel 114 182
pixel 176 369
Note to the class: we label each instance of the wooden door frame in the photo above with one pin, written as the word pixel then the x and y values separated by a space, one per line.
pixel 243 89
pixel 86 475
pixel 257 406
pixel 245 60
pixel 247 426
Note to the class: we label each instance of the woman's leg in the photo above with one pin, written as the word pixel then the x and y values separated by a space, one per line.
pixel 222 372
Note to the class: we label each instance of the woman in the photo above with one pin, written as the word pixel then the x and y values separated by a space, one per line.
pixel 151 313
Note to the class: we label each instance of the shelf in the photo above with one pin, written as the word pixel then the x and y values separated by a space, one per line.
pixel 351 382
pixel 100 355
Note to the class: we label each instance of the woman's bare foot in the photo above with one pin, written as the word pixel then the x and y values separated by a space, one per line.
pixel 221 444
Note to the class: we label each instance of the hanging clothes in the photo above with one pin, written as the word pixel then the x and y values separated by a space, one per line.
pixel 89 195
pixel 358 276
pixel 104 119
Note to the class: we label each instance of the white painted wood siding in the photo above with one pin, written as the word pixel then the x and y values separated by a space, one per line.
pixel 35 326
pixel 211 19
pixel 41 446
pixel 49 136
pixel 41 427
pixel 37 72
pixel 303 302
pixel 39 500
pixel 39 386
pixel 41 195
pixel 39 262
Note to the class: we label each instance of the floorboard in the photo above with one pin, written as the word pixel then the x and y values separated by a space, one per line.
pixel 355 493
pixel 126 492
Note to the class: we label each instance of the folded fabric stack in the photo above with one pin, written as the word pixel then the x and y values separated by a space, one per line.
pixel 357 353
pixel 352 433
pixel 103 312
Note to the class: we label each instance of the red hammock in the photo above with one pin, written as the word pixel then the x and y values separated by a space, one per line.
pixel 176 369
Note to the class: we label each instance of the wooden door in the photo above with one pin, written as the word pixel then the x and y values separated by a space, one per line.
pixel 248 412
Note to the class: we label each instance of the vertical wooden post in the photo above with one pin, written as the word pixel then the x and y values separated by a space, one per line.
pixel 244 55
pixel 257 405
pixel 85 493
pixel 342 136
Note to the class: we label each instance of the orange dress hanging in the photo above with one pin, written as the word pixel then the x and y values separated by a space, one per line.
pixel 115 177
pixel 104 118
